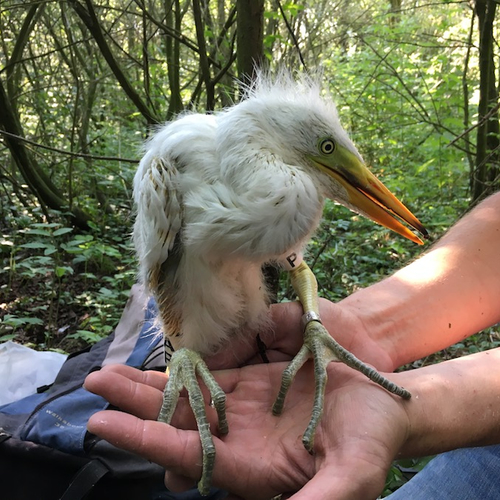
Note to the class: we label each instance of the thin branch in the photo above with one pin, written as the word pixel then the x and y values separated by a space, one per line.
pixel 479 123
pixel 292 34
pixel 62 151
pixel 89 17
pixel 190 44
pixel 23 37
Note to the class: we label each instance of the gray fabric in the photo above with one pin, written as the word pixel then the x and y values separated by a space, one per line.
pixel 128 328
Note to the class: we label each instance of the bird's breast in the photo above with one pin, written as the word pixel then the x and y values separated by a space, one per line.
pixel 278 211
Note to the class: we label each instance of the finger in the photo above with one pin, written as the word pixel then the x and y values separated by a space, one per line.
pixel 286 317
pixel 287 336
pixel 108 381
pixel 121 391
pixel 153 378
pixel 161 443
pixel 141 393
pixel 177 451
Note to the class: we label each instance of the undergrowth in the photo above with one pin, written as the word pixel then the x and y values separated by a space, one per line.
pixel 62 289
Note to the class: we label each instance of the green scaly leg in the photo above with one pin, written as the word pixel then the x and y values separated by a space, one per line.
pixel 320 345
pixel 184 367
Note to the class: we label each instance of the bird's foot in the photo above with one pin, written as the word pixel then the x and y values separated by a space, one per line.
pixel 184 367
pixel 319 344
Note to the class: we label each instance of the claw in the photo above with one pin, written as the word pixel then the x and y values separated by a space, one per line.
pixel 184 366
pixel 319 344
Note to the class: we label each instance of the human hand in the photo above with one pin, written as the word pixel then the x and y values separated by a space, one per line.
pixel 362 430
pixel 285 338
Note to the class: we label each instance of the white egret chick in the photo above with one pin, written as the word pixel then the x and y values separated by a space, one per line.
pixel 218 197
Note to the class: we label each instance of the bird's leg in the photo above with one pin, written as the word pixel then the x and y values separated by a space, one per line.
pixel 184 366
pixel 320 345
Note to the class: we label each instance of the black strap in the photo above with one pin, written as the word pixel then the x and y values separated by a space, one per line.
pixel 4 436
pixel 84 480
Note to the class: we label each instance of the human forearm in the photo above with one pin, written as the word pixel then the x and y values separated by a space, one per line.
pixel 446 295
pixel 454 404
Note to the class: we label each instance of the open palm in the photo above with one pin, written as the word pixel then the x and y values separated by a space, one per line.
pixel 361 431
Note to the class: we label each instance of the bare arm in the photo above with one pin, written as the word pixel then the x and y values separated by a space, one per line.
pixel 448 294
pixel 454 404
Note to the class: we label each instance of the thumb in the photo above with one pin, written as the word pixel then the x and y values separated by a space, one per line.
pixel 341 484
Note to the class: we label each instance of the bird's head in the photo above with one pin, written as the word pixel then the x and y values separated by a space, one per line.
pixel 296 122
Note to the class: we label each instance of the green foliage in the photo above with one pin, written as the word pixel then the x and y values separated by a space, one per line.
pixel 406 85
pixel 68 282
pixel 401 472
pixel 351 252
pixel 12 321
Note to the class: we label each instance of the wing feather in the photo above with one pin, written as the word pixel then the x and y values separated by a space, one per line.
pixel 159 214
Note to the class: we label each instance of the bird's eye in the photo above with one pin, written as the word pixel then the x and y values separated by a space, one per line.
pixel 327 146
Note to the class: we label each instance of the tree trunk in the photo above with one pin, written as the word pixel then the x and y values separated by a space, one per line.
pixel 173 19
pixel 395 10
pixel 486 176
pixel 250 37
pixel 204 62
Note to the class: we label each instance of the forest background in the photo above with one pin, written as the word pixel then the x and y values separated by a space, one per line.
pixel 82 83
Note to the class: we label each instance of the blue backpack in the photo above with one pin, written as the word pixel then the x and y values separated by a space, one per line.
pixel 46 452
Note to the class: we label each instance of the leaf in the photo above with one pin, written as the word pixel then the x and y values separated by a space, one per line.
pixel 62 230
pixel 11 320
pixel 91 276
pixel 72 249
pixel 7 337
pixel 271 14
pixel 85 335
pixel 32 321
pixel 62 270
pixel 40 232
pixel 44 224
pixel 293 8
pixel 50 249
pixel 80 238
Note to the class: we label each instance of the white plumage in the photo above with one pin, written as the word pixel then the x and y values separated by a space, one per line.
pixel 232 191
pixel 218 196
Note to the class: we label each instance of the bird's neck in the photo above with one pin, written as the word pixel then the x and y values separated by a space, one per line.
pixel 282 201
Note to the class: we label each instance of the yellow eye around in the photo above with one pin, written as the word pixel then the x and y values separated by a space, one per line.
pixel 327 146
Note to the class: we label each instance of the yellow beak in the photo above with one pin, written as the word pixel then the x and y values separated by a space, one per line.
pixel 366 193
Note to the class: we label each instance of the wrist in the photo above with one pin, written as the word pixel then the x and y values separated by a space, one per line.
pixel 427 422
pixel 454 404
pixel 371 337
